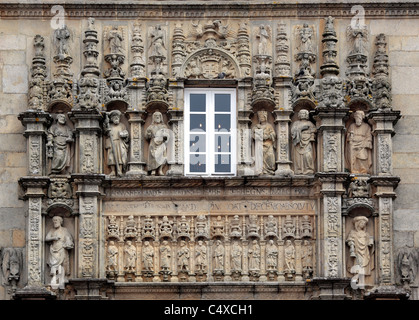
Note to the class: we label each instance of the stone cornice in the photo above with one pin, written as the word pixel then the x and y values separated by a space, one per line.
pixel 193 9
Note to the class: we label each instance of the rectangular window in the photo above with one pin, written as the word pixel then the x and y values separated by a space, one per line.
pixel 210 132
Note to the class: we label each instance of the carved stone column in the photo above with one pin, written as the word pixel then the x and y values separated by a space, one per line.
pixel 136 164
pixel 175 145
pixel 89 245
pixel 282 120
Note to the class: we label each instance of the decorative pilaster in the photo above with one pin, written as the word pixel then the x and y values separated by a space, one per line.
pixel 136 164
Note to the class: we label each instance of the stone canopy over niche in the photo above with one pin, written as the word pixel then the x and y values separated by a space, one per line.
pixel 312 150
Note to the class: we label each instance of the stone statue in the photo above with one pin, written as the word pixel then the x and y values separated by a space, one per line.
pixel 61 39
pixel 306 34
pixel 116 143
pixel 303 144
pixel 358 151
pixel 183 257
pixel 264 133
pixel 157 41
pixel 148 257
pixel 263 37
pixel 115 40
pixel 112 257
pixel 271 256
pixel 60 137
pixel 157 133
pixel 201 256
pixel 165 255
pixel 361 246
pixel 219 256
pixel 236 256
pixel 254 256
pixel 130 256
pixel 11 266
pixel 61 241
pixel 289 253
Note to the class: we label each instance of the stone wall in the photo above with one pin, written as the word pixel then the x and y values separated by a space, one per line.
pixel 16 52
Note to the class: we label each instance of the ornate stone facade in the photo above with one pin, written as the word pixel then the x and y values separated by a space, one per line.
pixel 310 198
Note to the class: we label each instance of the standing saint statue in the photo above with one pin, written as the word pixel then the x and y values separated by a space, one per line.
pixel 157 134
pixel 263 37
pixel 358 151
pixel 116 143
pixel 303 139
pixel 112 257
pixel 61 241
pixel 165 256
pixel 219 256
pixel 59 139
pixel 148 257
pixel 289 254
pixel 183 257
pixel 265 136
pixel 115 40
pixel 157 41
pixel 130 256
pixel 201 256
pixel 236 257
pixel 271 255
pixel 306 34
pixel 360 245
pixel 254 256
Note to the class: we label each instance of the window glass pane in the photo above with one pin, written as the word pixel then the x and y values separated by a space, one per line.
pixel 222 163
pixel 197 143
pixel 197 163
pixel 222 102
pixel 197 123
pixel 222 143
pixel 222 122
pixel 197 102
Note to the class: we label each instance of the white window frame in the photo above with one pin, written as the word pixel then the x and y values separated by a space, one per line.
pixel 210 131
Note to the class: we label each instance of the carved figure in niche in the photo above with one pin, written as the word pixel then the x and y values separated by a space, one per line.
pixel 358 151
pixel 116 143
pixel 61 37
pixel 157 41
pixel 271 255
pixel 289 253
pixel 271 227
pixel 303 133
pixel 254 256
pixel 201 256
pixel 236 256
pixel 130 228
pixel 219 256
pixel 11 266
pixel 306 34
pixel 165 255
pixel 407 261
pixel 59 139
pixel 115 39
pixel 157 133
pixel 307 258
pixel 130 256
pixel 112 257
pixel 183 257
pixel 264 133
pixel 263 36
pixel 61 241
pixel 148 256
pixel 361 246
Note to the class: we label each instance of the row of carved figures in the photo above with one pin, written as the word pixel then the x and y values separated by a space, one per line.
pixel 358 148
pixel 201 226
pixel 182 260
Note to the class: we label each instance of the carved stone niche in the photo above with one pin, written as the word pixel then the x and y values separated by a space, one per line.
pixel 263 152
pixel 360 248
pixel 60 247
pixel 157 150
pixel 116 150
pixel 358 143
pixel 60 146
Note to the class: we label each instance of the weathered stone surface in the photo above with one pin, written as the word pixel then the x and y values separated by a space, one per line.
pixel 15 79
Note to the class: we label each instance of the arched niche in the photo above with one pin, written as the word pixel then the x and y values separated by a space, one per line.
pixel 148 121
pixel 66 213
pixel 111 107
pixel 300 104
pixel 210 63
pixel 59 106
